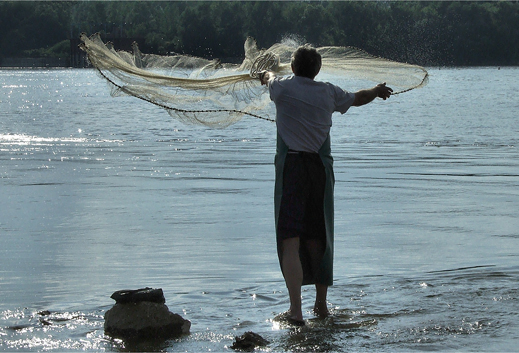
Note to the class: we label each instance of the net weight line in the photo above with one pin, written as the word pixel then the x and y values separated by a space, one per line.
pixel 424 80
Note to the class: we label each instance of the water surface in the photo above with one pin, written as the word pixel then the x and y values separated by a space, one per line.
pixel 99 194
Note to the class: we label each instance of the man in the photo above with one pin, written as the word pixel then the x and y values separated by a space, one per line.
pixel 304 174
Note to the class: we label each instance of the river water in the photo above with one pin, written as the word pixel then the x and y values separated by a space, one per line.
pixel 99 194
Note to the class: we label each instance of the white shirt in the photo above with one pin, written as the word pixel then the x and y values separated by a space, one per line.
pixel 304 109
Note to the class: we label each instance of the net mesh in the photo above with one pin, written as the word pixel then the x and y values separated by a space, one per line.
pixel 215 94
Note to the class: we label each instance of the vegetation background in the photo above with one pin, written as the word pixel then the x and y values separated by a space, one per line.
pixel 436 33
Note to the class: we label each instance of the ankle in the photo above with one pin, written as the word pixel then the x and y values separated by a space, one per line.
pixel 296 314
pixel 321 309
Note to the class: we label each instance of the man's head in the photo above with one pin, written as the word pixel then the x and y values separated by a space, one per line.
pixel 306 61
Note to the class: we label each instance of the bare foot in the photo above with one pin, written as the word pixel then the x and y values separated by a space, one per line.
pixel 321 309
pixel 292 319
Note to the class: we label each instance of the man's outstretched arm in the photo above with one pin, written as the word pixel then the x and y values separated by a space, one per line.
pixel 366 96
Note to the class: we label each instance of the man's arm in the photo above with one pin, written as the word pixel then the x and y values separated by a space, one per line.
pixel 366 96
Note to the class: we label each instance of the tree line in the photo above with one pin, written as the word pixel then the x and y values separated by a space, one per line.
pixel 436 33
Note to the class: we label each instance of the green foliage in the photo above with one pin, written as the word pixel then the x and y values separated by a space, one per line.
pixel 59 50
pixel 426 33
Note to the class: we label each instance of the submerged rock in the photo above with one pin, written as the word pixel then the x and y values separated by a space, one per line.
pixel 248 341
pixel 141 314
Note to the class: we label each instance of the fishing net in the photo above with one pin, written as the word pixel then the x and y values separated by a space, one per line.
pixel 211 93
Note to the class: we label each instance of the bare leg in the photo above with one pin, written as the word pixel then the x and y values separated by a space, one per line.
pixel 321 307
pixel 316 250
pixel 293 272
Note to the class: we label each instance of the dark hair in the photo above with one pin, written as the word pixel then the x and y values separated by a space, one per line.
pixel 306 61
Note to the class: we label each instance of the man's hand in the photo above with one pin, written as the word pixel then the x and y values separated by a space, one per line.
pixel 265 76
pixel 366 96
pixel 383 91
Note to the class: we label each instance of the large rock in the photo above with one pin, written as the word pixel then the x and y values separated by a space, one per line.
pixel 134 320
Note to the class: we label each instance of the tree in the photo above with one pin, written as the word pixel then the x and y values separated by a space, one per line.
pixel 426 33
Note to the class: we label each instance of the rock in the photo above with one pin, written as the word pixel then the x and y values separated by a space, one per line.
pixel 139 295
pixel 134 317
pixel 248 341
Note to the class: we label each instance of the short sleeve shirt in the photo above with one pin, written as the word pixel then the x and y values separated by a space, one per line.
pixel 304 109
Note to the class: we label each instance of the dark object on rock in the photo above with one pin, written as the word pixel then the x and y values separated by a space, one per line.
pixel 139 295
pixel 248 341
pixel 142 315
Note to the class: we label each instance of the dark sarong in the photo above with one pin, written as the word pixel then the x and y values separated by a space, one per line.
pixel 301 212
pixel 325 272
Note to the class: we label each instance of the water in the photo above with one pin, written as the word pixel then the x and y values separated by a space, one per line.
pixel 99 194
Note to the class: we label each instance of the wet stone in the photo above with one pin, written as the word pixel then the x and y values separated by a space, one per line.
pixel 248 341
pixel 142 315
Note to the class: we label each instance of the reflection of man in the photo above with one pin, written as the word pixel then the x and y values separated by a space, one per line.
pixel 304 174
